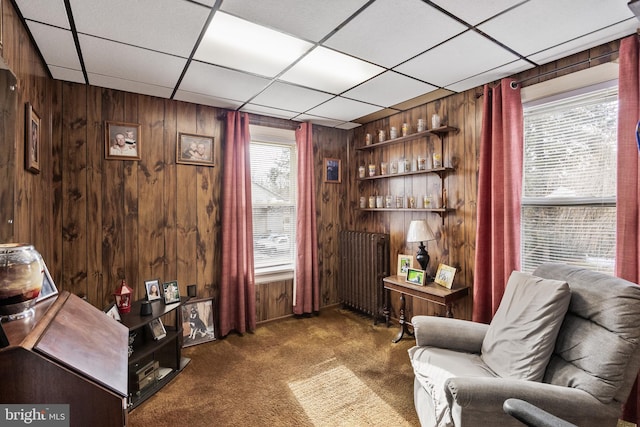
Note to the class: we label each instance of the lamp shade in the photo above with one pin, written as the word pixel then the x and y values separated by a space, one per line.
pixel 419 231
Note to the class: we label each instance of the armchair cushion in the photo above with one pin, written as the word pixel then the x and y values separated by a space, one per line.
pixel 523 332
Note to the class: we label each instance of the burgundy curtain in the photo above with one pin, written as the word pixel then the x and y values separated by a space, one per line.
pixel 499 194
pixel 628 197
pixel 307 288
pixel 237 289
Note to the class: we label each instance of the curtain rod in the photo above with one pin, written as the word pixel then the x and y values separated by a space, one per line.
pixel 515 84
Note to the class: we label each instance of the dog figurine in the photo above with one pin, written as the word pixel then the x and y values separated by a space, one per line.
pixel 196 324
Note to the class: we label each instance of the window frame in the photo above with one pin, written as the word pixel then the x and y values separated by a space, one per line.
pixel 277 137
pixel 533 202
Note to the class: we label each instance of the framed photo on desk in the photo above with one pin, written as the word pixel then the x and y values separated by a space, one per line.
pixel 415 276
pixel 445 275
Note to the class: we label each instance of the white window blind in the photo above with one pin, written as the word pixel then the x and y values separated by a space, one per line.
pixel 273 192
pixel 569 182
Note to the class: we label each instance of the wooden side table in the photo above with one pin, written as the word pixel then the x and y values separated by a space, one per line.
pixel 431 292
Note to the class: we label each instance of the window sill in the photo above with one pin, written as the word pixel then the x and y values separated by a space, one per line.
pixel 273 274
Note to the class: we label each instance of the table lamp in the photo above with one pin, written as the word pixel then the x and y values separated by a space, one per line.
pixel 419 232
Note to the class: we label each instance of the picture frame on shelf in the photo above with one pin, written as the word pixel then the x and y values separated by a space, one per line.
pixel 157 329
pixel 49 288
pixel 112 311
pixel 153 288
pixel 122 141
pixel 405 262
pixel 198 319
pixel 415 276
pixel 444 276
pixel 32 140
pixel 332 170
pixel 194 149
pixel 171 292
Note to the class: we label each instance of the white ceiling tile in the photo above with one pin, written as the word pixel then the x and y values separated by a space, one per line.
pixel 313 21
pixel 221 83
pixel 348 125
pixel 235 43
pixel 129 62
pixel 597 38
pixel 474 12
pixel 388 89
pixel 171 26
pixel 322 121
pixel 53 12
pixel 290 97
pixel 389 32
pixel 129 85
pixel 57 45
pixel 66 75
pixel 491 75
pixel 268 111
pixel 330 71
pixel 198 98
pixel 458 59
pixel 343 109
pixel 541 24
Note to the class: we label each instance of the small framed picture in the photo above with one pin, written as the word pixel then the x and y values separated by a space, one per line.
pixel 48 287
pixel 112 311
pixel 122 141
pixel 153 289
pixel 157 329
pixel 193 149
pixel 332 171
pixel 198 326
pixel 405 262
pixel 415 276
pixel 171 292
pixel 31 140
pixel 444 276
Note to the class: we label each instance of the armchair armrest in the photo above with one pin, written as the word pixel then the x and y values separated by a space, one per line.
pixel 488 395
pixel 444 332
pixel 531 415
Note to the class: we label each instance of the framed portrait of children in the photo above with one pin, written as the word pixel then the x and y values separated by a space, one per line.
pixel 122 141
pixel 198 324
pixel 444 276
pixel 193 149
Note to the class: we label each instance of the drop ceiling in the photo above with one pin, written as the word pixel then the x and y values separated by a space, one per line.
pixel 331 62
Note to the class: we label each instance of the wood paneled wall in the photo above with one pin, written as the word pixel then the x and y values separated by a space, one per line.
pixel 455 231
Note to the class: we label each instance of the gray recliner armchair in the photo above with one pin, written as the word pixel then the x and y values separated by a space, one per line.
pixel 565 339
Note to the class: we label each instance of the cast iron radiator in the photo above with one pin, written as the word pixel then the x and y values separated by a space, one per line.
pixel 364 262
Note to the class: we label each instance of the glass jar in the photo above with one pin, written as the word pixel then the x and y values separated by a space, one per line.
pixel 21 276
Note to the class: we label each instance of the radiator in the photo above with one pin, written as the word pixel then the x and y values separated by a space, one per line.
pixel 364 262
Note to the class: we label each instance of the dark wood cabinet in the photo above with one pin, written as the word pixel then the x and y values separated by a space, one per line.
pixel 153 362
pixel 68 352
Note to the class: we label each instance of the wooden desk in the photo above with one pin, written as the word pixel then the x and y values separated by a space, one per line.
pixel 431 292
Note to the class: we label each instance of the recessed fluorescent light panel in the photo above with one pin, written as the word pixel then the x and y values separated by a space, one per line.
pixel 331 71
pixel 242 45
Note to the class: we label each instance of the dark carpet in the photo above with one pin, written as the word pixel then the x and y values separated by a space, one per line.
pixel 334 369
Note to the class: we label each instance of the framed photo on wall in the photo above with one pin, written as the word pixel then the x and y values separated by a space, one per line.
pixel 332 171
pixel 198 327
pixel 32 140
pixel 193 149
pixel 405 262
pixel 445 275
pixel 122 141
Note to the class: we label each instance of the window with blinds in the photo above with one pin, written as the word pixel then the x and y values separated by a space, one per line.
pixel 569 180
pixel 273 192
